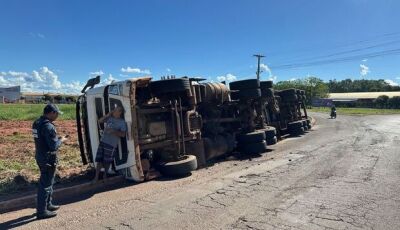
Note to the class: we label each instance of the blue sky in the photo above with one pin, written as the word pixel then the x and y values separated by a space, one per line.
pixel 56 45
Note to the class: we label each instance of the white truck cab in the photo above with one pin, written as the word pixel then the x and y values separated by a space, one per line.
pixel 156 128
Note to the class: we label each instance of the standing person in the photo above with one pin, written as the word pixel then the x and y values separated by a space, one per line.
pixel 47 144
pixel 114 128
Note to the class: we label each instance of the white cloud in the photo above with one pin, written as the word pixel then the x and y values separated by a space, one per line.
pixel 135 70
pixel 41 80
pixel 229 77
pixel 292 79
pixel 168 70
pixel 110 79
pixel 391 82
pixel 364 70
pixel 364 60
pixel 398 78
pixel 95 73
pixel 124 76
pixel 265 68
pixel 37 35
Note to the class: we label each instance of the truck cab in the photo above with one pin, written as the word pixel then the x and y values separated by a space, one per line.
pixel 159 117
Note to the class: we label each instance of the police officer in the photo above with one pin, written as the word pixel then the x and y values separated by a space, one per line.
pixel 47 144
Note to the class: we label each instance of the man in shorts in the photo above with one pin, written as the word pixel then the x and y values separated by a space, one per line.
pixel 114 128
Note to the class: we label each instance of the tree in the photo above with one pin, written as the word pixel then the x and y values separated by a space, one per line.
pixel 394 102
pixel 71 99
pixel 58 98
pixel 47 97
pixel 349 85
pixel 382 101
pixel 313 86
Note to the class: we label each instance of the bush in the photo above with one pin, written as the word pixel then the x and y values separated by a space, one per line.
pixel 382 101
pixel 394 102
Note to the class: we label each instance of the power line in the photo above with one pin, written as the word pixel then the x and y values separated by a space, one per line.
pixel 378 38
pixel 353 50
pixel 338 60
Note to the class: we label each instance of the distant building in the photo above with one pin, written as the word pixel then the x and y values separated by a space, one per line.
pixel 10 94
pixel 352 99
pixel 29 97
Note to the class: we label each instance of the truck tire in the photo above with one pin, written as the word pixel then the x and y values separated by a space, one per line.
pixel 169 86
pixel 270 132
pixel 246 94
pixel 267 93
pixel 254 148
pixel 295 128
pixel 286 92
pixel 272 141
pixel 253 137
pixel 266 85
pixel 289 98
pixel 179 168
pixel 245 84
pixel 295 125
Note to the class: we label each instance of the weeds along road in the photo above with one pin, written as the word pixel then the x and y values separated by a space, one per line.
pixel 344 174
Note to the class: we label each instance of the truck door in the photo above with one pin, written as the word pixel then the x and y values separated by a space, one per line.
pixel 113 98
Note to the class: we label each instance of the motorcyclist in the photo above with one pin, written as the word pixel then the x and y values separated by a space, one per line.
pixel 333 111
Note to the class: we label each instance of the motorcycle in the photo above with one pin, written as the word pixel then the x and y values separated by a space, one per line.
pixel 333 114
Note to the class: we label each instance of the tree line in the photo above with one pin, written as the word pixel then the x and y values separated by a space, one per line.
pixel 317 88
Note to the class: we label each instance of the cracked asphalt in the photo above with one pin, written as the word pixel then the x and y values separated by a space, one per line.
pixel 343 174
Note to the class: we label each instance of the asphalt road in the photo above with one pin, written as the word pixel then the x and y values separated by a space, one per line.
pixel 344 174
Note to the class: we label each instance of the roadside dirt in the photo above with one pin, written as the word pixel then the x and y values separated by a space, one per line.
pixel 18 170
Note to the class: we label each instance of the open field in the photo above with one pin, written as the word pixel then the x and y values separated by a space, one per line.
pixel 356 111
pixel 28 112
pixel 18 169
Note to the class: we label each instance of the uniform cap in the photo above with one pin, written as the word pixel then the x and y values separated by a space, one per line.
pixel 51 108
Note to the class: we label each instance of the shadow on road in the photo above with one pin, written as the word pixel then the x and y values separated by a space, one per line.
pixel 18 222
pixel 63 201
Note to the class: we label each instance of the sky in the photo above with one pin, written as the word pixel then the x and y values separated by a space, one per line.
pixel 56 46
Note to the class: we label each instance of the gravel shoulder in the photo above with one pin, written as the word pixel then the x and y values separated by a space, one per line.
pixel 343 174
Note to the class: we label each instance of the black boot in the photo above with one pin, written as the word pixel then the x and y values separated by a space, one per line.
pixel 46 214
pixel 52 207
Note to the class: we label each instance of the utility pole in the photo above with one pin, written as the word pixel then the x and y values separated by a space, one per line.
pixel 259 56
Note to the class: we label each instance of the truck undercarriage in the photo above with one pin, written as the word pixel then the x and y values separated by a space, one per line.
pixel 178 124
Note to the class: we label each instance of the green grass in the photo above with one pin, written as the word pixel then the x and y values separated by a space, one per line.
pixel 356 111
pixel 20 112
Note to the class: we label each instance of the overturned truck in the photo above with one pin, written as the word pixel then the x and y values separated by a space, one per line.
pixel 179 124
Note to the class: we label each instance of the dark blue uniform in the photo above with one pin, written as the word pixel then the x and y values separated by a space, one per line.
pixel 47 144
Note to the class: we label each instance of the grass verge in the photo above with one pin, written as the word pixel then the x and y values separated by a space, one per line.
pixel 356 111
pixel 20 112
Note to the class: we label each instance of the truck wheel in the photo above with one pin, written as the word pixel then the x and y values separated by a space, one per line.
pixel 254 148
pixel 272 141
pixel 267 92
pixel 289 97
pixel 270 132
pixel 179 168
pixel 169 86
pixel 304 124
pixel 246 94
pixel 253 137
pixel 245 84
pixel 296 132
pixel 295 125
pixel 266 84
